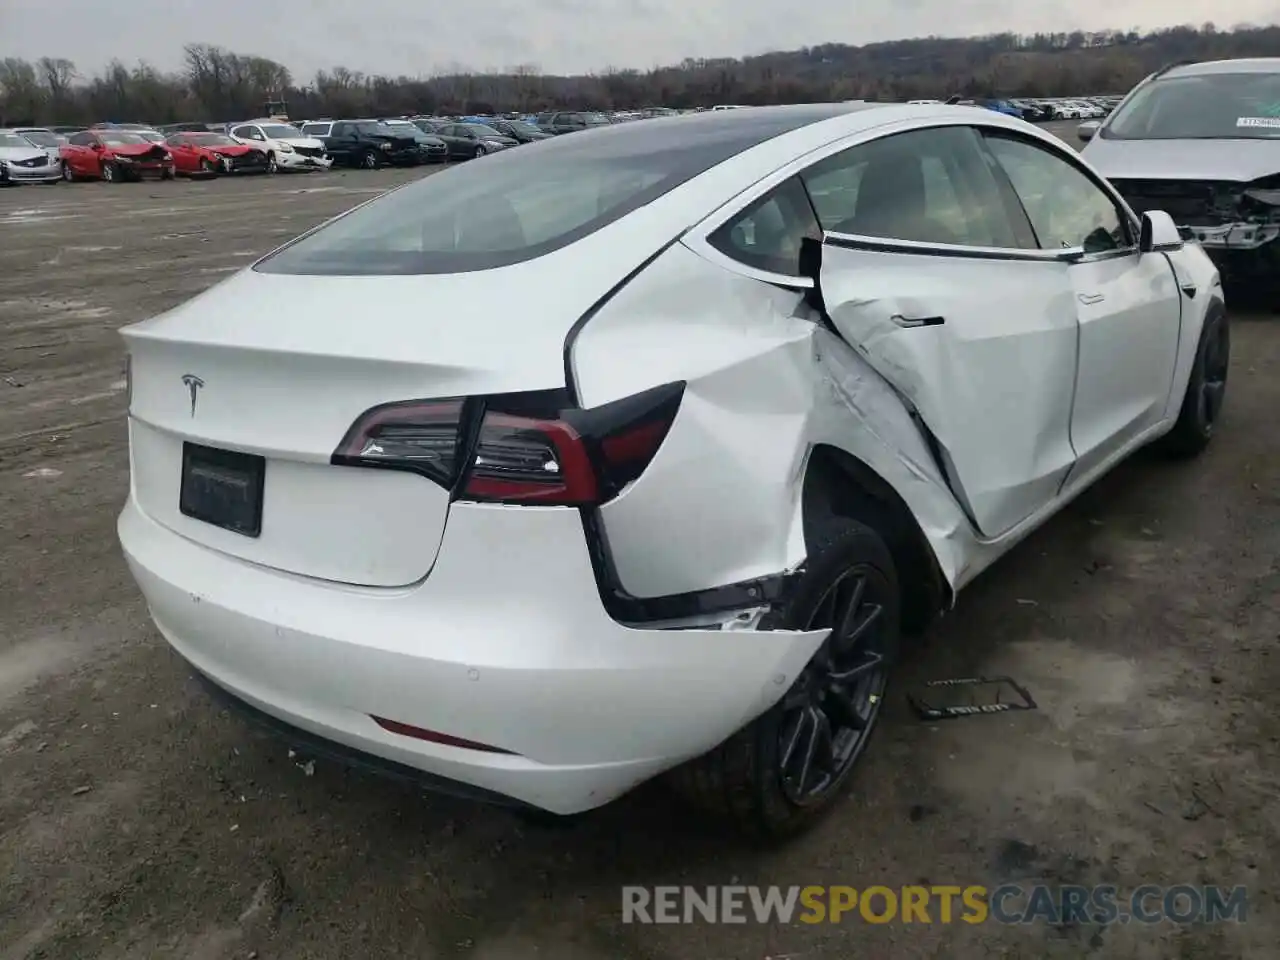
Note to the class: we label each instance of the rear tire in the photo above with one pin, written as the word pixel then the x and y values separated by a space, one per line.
pixel 761 779
pixel 1206 392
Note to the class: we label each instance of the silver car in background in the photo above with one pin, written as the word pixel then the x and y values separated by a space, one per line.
pixel 23 162
pixel 1202 142
pixel 43 138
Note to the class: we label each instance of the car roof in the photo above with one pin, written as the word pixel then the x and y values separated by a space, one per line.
pixel 1208 67
pixel 719 135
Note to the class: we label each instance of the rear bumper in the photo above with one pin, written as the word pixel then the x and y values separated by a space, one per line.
pixel 506 644
pixel 319 748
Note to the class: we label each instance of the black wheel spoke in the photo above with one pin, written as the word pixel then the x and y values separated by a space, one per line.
pixel 793 740
pixel 871 661
pixel 817 747
pixel 852 611
pixel 846 706
pixel 870 615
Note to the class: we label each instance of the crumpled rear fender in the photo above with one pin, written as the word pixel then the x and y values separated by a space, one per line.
pixel 722 502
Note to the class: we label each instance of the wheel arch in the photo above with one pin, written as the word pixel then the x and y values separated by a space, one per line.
pixel 837 482
pixel 1197 313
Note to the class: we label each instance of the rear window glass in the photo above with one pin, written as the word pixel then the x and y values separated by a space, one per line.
pixel 477 216
pixel 41 138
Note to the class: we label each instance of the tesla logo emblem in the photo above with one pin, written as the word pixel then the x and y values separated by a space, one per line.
pixel 193 384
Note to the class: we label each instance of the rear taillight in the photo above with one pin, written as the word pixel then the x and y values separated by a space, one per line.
pixel 526 448
pixel 419 436
pixel 528 460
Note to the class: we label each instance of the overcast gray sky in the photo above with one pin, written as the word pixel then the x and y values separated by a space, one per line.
pixel 424 36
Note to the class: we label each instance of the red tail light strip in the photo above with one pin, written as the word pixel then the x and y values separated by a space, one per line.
pixel 521 448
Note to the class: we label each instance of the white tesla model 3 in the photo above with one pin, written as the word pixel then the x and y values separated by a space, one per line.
pixel 635 450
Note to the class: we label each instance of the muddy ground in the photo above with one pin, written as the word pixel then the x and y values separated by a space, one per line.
pixel 138 820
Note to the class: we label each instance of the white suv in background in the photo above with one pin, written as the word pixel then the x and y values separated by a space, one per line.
pixel 286 147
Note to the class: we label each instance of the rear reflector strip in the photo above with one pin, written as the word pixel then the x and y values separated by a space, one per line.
pixel 431 736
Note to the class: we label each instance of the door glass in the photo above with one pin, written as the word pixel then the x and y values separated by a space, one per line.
pixel 768 234
pixel 1066 208
pixel 926 186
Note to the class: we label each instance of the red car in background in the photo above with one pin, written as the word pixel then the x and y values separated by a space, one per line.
pixel 209 154
pixel 114 155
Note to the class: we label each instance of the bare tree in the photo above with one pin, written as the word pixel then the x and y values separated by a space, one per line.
pixel 21 98
pixel 220 84
pixel 57 74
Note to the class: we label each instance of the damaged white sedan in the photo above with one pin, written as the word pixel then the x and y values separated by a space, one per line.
pixel 1201 141
pixel 778 383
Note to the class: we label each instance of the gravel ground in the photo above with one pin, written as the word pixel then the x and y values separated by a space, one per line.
pixel 138 820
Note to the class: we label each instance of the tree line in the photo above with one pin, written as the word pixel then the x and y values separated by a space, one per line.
pixel 216 84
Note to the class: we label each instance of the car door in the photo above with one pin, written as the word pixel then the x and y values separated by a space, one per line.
pixel 459 147
pixel 341 142
pixel 930 270
pixel 250 135
pixel 1129 303
pixel 185 159
pixel 77 152
pixel 98 156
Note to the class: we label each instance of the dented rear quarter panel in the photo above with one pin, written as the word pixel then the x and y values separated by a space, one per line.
pixel 766 383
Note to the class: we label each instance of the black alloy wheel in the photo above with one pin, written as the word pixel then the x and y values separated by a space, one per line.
pixel 1206 390
pixel 781 772
pixel 828 714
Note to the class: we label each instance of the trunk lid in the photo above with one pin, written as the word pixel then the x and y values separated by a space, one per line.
pixel 285 366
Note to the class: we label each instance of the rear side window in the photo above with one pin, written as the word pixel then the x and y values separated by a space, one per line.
pixel 769 233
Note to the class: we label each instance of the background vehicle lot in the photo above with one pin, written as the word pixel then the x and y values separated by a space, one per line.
pixel 198 838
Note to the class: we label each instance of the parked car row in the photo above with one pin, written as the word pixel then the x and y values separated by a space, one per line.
pixel 1041 109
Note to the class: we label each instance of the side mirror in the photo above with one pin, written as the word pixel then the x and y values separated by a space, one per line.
pixel 96 146
pixel 1087 130
pixel 1159 233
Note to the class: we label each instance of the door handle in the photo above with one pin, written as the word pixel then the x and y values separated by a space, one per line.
pixel 1089 299
pixel 911 322
pixel 1189 289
